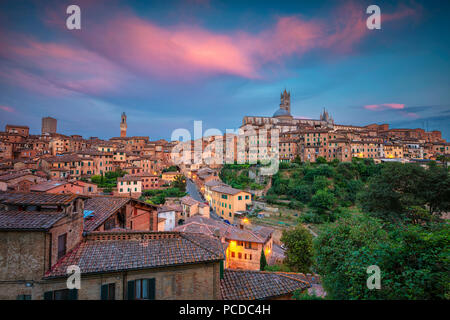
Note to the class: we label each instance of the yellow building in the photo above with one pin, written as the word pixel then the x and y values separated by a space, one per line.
pixel 169 176
pixel 393 151
pixel 226 201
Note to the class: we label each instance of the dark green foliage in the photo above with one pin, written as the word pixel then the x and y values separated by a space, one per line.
pixel 413 259
pixel 170 169
pixel 322 201
pixel 304 295
pixel 237 176
pixel 158 196
pixel 107 181
pixel 397 189
pixel 179 182
pixel 262 261
pixel 299 253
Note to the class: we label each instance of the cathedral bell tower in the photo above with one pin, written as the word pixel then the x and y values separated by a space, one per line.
pixel 123 126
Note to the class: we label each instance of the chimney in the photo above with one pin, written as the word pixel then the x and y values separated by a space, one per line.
pixel 216 233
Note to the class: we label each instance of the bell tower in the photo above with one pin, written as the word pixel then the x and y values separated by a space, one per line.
pixel 123 125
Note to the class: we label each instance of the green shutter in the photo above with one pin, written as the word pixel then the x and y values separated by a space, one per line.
pixel 104 292
pixel 151 289
pixel 130 290
pixel 73 294
pixel 221 269
pixel 48 295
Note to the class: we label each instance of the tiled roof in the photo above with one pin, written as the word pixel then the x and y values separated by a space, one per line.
pixel 121 251
pixel 103 208
pixel 226 189
pixel 129 177
pixel 199 224
pixel 28 220
pixel 13 175
pixel 187 200
pixel 36 198
pixel 214 183
pixel 251 285
pixel 64 158
pixel 47 185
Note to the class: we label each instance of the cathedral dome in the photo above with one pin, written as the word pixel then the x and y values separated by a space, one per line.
pixel 281 113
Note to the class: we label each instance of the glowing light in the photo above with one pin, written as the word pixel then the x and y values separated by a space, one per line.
pixel 245 220
pixel 232 244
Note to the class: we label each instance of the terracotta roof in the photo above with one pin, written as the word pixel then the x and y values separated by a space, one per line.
pixel 28 220
pixel 47 185
pixel 13 175
pixel 251 285
pixel 64 158
pixel 37 198
pixel 129 177
pixel 122 251
pixel 214 183
pixel 103 208
pixel 199 224
pixel 187 200
pixel 227 190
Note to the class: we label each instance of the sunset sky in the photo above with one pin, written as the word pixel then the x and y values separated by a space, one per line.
pixel 169 63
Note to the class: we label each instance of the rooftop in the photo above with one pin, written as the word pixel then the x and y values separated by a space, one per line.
pixel 37 198
pixel 252 285
pixel 102 208
pixel 123 251
pixel 28 220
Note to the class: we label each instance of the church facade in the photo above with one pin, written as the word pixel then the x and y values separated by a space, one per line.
pixel 283 120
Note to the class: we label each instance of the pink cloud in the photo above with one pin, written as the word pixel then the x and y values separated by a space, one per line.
pixel 7 109
pixel 384 106
pixel 117 47
pixel 410 114
pixel 59 69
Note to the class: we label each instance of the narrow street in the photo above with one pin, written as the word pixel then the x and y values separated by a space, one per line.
pixel 192 190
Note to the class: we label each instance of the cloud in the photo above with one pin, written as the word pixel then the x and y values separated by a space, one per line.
pixel 57 69
pixel 384 106
pixel 7 109
pixel 121 46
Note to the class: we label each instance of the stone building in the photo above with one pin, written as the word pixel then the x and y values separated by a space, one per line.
pixel 123 125
pixel 41 235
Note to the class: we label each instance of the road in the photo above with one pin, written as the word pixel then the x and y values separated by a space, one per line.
pixel 192 190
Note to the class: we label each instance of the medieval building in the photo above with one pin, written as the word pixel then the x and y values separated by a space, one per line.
pixel 123 126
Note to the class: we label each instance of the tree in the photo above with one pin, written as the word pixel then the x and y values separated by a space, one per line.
pixel 262 260
pixel 397 188
pixel 299 252
pixel 344 249
pixel 320 183
pixel 321 160
pixel 413 259
pixel 322 201
pixel 179 182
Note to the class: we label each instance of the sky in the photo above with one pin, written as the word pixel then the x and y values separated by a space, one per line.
pixel 170 63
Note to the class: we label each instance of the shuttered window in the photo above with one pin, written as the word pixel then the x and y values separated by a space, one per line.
pixel 108 291
pixel 64 294
pixel 62 240
pixel 141 289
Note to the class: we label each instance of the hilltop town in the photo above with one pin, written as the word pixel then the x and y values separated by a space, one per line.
pixel 141 223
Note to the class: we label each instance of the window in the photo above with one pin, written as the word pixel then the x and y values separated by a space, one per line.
pixel 62 240
pixel 246 197
pixel 233 254
pixel 24 297
pixel 64 294
pixel 142 289
pixel 239 197
pixel 108 291
pixel 240 255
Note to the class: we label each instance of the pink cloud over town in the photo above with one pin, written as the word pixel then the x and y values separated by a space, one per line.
pixel 131 46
